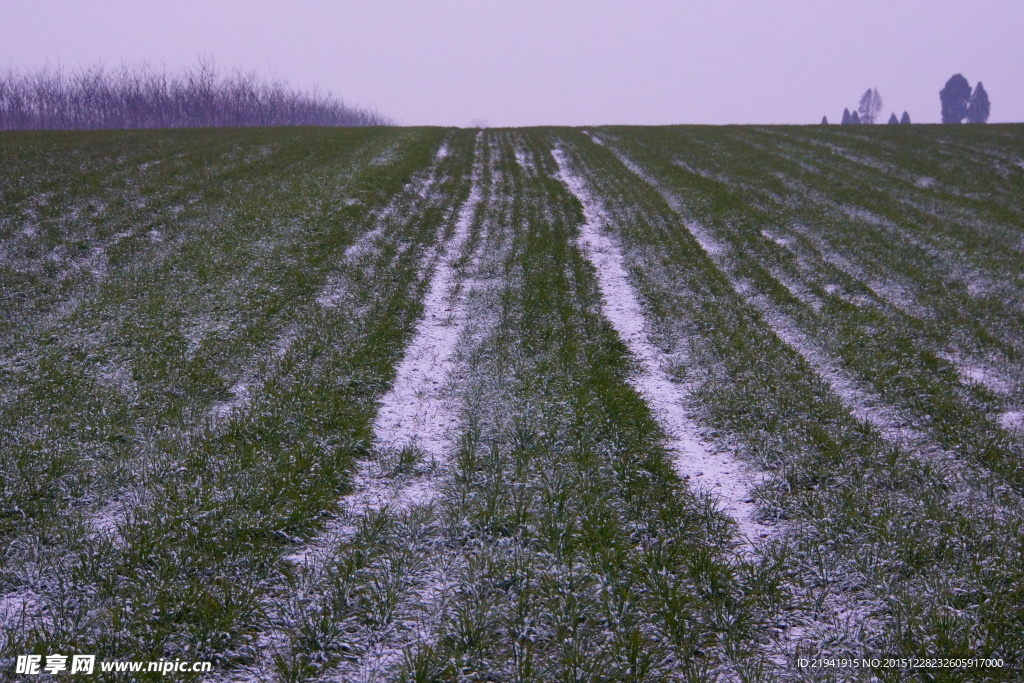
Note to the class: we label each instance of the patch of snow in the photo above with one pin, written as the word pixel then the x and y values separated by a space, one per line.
pixel 521 159
pixel 784 242
pixel 702 172
pixel 386 157
pixel 972 371
pixel 1012 421
pixel 925 182
pixel 708 242
pixel 414 412
pixel 244 390
pixel 118 376
pixel 418 413
pixel 899 296
pixel 797 289
pixel 199 330
pixel 890 291
pixel 719 474
pixel 19 604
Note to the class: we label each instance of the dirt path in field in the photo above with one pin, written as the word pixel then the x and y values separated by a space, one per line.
pixel 717 473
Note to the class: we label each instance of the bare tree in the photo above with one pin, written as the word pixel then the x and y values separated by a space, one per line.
pixel 870 105
pixel 94 98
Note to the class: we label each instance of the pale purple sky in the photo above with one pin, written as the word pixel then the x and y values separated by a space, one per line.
pixel 574 62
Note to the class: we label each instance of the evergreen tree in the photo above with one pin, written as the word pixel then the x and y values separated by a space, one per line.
pixel 893 120
pixel 854 118
pixel 846 116
pixel 870 105
pixel 824 120
pixel 978 106
pixel 954 97
pixel 905 118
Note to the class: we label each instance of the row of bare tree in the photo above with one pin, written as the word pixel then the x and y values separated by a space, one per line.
pixel 140 97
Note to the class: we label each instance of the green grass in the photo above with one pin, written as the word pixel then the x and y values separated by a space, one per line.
pixel 199 326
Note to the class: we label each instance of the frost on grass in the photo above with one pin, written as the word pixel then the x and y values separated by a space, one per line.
pixel 1012 421
pixel 986 374
pixel 718 474
pixel 842 618
pixel 890 290
pixel 419 414
pixel 335 293
pixel 415 413
pixel 895 427
pixel 244 390
pixel 414 434
pixel 19 607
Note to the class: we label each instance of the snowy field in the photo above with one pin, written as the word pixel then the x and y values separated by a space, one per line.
pixel 610 404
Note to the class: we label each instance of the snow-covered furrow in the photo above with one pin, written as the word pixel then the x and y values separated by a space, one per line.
pixel 892 292
pixel 415 413
pixel 335 293
pixel 797 289
pixel 976 371
pixel 968 488
pixel 259 370
pixel 112 510
pixel 245 390
pixel 991 373
pixel 994 374
pixel 865 405
pixel 523 156
pixel 419 414
pixel 717 473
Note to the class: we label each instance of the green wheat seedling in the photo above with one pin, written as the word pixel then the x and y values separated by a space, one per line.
pixel 200 329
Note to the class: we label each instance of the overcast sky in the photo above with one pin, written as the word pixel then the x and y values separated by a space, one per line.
pixel 575 62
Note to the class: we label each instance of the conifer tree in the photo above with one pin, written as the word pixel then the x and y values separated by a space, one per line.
pixel 846 116
pixel 893 121
pixel 824 120
pixel 978 107
pixel 854 118
pixel 905 119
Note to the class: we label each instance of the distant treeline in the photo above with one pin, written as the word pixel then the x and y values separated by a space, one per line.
pixel 140 97
pixel 959 103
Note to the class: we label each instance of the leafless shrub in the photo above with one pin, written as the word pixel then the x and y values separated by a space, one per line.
pixel 140 97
